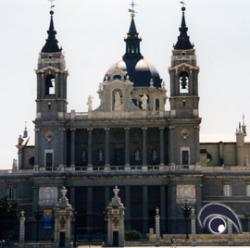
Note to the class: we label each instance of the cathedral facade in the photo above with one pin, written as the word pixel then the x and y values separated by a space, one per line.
pixel 131 141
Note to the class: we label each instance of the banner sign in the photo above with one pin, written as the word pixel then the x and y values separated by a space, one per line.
pixel 47 219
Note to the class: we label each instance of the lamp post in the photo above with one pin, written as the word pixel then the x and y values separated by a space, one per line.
pixel 186 214
pixel 38 216
pixel 2 243
pixel 75 231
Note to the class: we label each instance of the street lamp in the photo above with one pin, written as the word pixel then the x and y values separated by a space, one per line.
pixel 75 225
pixel 38 216
pixel 2 243
pixel 186 214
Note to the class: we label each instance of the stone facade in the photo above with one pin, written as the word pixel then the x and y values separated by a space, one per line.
pixel 131 141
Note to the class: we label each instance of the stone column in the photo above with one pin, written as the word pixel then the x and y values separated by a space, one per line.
pixel 162 155
pixel 172 207
pixel 35 226
pixel 107 195
pixel 90 166
pixel 127 160
pixel 193 226
pixel 157 226
pixel 145 208
pixel 221 153
pixel 72 196
pixel 171 145
pixel 144 148
pixel 22 227
pixel 73 135
pixel 107 162
pixel 37 144
pixel 62 155
pixel 163 208
pixel 230 232
pixel 247 216
pixel 127 204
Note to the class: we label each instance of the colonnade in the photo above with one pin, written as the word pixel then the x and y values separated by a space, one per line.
pixel 107 146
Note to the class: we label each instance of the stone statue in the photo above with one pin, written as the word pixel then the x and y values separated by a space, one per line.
pixel 118 103
pixel 14 165
pixel 137 155
pixel 144 100
pixel 90 103
pixel 84 156
pixel 154 155
pixel 100 155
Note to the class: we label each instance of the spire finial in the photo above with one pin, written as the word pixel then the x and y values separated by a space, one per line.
pixel 183 42
pixel 51 45
pixel 52 5
pixel 183 4
pixel 244 127
pixel 116 191
pixel 25 132
pixel 132 9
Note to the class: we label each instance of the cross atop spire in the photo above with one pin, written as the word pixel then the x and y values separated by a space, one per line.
pixel 51 45
pixel 52 4
pixel 183 42
pixel 132 9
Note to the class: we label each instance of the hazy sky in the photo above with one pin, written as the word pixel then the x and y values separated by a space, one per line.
pixel 91 33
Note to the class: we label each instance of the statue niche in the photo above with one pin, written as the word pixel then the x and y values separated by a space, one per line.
pixel 117 100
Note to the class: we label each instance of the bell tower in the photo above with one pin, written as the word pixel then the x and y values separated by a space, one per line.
pixel 51 102
pixel 184 100
pixel 51 78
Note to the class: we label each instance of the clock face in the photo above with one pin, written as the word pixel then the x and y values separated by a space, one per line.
pixel 184 133
pixel 49 136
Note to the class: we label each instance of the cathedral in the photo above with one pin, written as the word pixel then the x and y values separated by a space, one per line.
pixel 152 154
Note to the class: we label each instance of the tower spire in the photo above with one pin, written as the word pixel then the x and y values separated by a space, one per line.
pixel 132 40
pixel 51 45
pixel 183 42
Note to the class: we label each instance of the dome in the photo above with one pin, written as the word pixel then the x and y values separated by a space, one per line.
pixel 117 71
pixel 141 73
pixel 144 73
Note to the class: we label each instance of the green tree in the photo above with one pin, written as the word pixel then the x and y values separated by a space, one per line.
pixel 8 218
pixel 132 235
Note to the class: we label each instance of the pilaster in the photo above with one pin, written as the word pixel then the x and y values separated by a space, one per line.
pixel 127 160
pixel 162 155
pixel 107 143
pixel 73 135
pixel 144 146
pixel 90 165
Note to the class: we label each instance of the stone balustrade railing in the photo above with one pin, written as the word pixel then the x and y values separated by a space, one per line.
pixel 134 168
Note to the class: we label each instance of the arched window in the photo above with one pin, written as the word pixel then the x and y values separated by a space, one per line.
pixel 184 82
pixel 118 77
pixel 50 85
pixel 11 193
pixel 32 161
